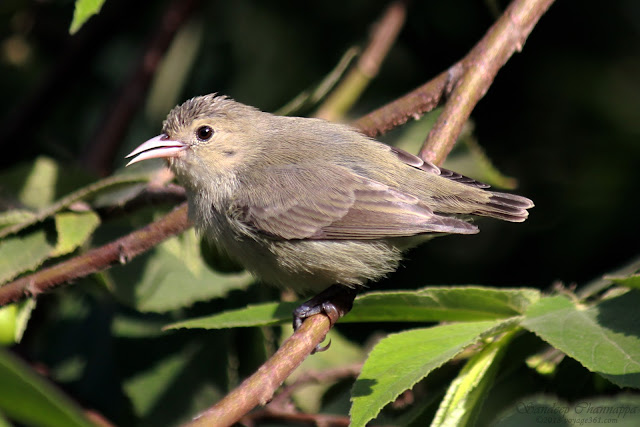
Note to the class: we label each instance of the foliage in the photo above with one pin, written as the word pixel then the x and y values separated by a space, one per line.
pixel 159 338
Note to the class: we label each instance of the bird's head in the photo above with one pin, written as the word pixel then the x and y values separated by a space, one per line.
pixel 205 137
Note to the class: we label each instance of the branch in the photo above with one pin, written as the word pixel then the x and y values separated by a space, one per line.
pixel 465 83
pixel 259 388
pixel 481 65
pixel 351 87
pixel 118 251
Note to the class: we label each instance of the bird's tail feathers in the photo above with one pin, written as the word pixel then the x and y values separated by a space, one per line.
pixel 505 206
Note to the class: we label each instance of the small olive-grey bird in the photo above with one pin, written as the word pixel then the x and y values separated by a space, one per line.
pixel 312 205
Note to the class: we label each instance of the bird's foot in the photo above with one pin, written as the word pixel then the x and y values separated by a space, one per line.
pixel 334 302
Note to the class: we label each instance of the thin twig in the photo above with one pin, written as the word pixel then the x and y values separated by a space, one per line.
pixel 481 65
pixel 351 87
pixel 314 377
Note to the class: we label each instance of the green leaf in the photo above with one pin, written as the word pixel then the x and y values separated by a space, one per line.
pixel 23 253
pixel 466 393
pixel 177 382
pixel 115 182
pixel 74 228
pixel 400 360
pixel 84 10
pixel 29 399
pixel 270 313
pixel 605 338
pixel 632 281
pixel 174 275
pixel 8 316
pixel 425 305
pixel 39 187
pixel 13 321
pixel 434 304
pixel 157 379
pixel 15 216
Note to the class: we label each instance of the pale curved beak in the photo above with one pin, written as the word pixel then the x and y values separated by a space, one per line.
pixel 158 147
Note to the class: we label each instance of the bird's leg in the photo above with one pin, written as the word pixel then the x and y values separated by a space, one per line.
pixel 334 302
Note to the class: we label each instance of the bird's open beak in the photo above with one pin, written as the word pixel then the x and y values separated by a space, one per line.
pixel 158 147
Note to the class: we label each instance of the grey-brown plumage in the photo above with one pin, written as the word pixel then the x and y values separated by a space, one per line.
pixel 305 203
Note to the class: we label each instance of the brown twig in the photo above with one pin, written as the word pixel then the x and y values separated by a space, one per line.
pixel 102 151
pixel 313 377
pixel 481 65
pixel 410 106
pixel 351 87
pixel 259 388
pixel 118 251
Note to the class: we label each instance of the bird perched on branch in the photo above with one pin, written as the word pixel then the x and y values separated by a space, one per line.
pixel 312 205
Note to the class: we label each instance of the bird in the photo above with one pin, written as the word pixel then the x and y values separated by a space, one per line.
pixel 311 205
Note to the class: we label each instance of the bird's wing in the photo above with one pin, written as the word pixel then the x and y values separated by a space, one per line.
pixel 333 203
pixel 417 162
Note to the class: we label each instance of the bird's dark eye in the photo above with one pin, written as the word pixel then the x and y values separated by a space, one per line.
pixel 204 133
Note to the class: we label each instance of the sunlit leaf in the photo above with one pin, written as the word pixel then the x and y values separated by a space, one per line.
pixel 399 361
pixel 84 10
pixel 462 303
pixel 74 228
pixel 605 338
pixel 23 253
pixel 466 393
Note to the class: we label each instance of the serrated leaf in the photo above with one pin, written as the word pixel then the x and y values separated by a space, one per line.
pixel 426 305
pixel 23 253
pixel 466 393
pixel 29 399
pixel 84 10
pixel 74 228
pixel 605 338
pixel 400 360
pixel 174 275
pixel 434 304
